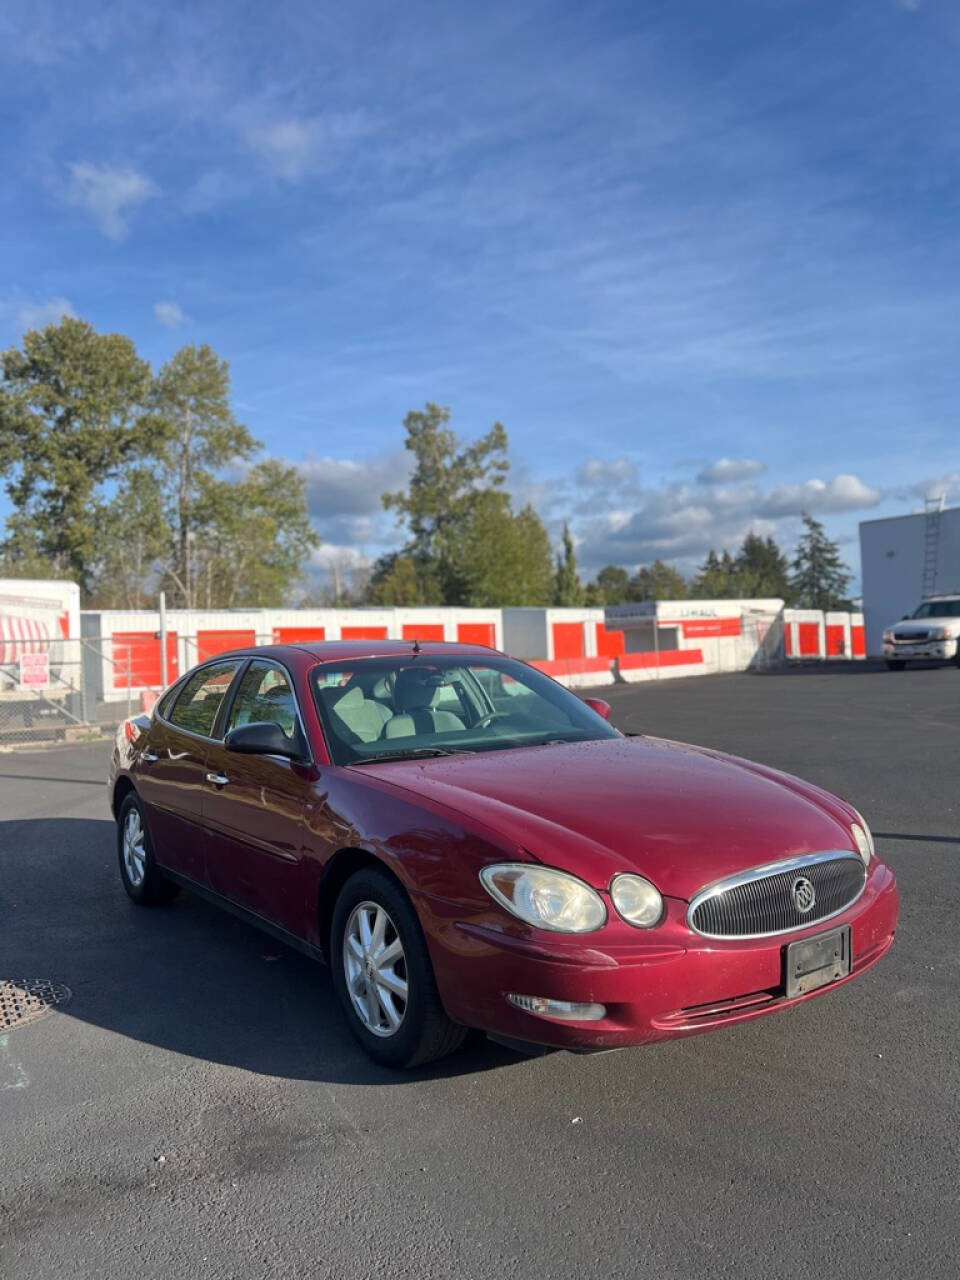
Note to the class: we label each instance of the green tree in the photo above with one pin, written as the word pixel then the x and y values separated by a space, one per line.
pixel 819 579
pixel 501 558
pixel 657 581
pixel 394 581
pixel 761 569
pixel 447 479
pixel 716 578
pixel 194 436
pixel 612 585
pixel 72 405
pixel 133 539
pixel 568 589
pixel 251 537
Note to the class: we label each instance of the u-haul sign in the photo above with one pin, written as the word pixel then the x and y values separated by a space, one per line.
pixel 34 671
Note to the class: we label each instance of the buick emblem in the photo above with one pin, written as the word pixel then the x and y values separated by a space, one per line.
pixel 804 895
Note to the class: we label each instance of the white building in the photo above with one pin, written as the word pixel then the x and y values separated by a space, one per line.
pixel 903 559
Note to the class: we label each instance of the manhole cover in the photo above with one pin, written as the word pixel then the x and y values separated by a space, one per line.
pixel 24 1000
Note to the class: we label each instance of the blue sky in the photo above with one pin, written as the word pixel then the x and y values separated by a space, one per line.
pixel 701 259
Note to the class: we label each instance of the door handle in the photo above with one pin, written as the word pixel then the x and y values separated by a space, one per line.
pixel 218 779
pixel 177 755
pixel 149 757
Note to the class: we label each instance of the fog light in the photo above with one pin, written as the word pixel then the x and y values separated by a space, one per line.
pixel 563 1009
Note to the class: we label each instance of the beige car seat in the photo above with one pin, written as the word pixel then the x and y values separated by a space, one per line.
pixel 355 717
pixel 415 694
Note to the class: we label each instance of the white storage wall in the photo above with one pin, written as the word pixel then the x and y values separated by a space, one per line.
pixel 891 558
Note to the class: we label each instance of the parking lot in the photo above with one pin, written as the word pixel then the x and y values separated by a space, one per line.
pixel 198 1107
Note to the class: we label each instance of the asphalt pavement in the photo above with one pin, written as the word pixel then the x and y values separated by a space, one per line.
pixel 197 1108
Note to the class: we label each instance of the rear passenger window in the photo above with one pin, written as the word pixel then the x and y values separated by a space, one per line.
pixel 197 706
pixel 264 695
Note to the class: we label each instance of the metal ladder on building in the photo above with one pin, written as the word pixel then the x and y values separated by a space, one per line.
pixel 932 507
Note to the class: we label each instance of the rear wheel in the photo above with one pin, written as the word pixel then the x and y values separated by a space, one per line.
pixel 142 878
pixel 383 976
pixel 895 664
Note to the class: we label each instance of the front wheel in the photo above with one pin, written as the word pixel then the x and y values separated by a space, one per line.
pixel 383 976
pixel 895 664
pixel 142 878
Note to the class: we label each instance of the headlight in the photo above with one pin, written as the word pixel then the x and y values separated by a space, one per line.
pixel 863 839
pixel 545 898
pixel 637 901
pixel 888 637
pixel 937 633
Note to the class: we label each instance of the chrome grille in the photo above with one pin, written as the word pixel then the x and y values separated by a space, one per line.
pixel 760 902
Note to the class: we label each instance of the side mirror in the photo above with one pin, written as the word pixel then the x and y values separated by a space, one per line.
pixel 905 617
pixel 264 739
pixel 599 706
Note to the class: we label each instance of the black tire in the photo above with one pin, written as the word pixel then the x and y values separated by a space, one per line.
pixel 896 664
pixel 153 889
pixel 425 1033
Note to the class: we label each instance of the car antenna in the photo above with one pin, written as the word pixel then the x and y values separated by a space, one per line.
pixel 416 646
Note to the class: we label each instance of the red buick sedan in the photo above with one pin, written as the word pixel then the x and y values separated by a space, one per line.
pixel 467 844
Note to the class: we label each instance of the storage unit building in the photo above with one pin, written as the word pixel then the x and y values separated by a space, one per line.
pixel 903 559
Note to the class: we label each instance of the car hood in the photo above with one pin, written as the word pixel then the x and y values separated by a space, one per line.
pixel 681 815
pixel 920 627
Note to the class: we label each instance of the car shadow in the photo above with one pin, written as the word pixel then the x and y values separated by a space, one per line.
pixel 845 667
pixel 903 835
pixel 186 977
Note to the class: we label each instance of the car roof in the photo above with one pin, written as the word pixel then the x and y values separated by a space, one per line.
pixel 345 650
pixel 337 649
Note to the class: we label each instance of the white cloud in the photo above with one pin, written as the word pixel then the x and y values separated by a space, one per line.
pixel 842 493
pixel 290 149
pixel 108 195
pixel 681 522
pixel 731 470
pixel 331 556
pixel 347 487
pixel 599 473
pixel 37 315
pixel 169 314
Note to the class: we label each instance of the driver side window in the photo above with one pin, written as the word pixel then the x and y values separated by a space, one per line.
pixel 264 696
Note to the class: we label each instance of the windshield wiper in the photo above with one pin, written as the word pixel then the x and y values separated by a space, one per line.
pixel 414 753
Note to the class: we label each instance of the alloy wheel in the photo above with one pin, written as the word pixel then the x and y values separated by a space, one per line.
pixel 375 969
pixel 134 849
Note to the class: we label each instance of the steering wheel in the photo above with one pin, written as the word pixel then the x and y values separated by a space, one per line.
pixel 489 718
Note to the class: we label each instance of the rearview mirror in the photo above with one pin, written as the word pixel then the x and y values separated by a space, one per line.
pixel 264 739
pixel 599 706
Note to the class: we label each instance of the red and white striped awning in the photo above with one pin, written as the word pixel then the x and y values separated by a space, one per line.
pixel 20 635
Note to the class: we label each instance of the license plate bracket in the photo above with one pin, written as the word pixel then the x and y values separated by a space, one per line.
pixel 816 962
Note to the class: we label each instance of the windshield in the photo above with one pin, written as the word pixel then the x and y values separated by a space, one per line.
pixel 377 709
pixel 939 609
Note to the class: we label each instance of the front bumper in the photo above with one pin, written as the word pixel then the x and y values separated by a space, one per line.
pixel 655 986
pixel 942 650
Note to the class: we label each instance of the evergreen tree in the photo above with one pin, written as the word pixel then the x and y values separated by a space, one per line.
pixel 716 578
pixel 394 581
pixel 819 579
pixel 761 569
pixel 657 581
pixel 612 585
pixel 568 590
pixel 499 558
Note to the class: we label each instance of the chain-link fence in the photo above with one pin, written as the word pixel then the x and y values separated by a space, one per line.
pixel 77 689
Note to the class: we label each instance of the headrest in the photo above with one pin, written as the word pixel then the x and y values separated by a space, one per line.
pixel 336 698
pixel 416 688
